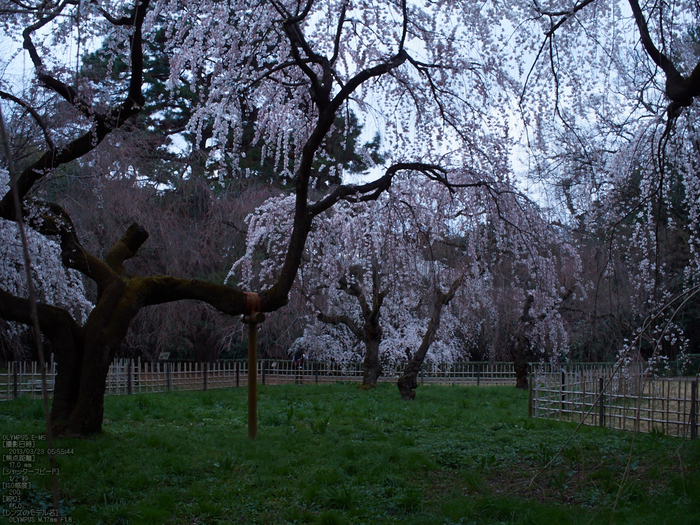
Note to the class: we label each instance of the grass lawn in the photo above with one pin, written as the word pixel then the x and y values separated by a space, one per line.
pixel 333 454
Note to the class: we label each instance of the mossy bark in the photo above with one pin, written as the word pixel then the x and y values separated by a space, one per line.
pixel 84 354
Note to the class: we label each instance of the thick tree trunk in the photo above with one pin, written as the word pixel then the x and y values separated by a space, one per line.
pixel 408 382
pixel 65 338
pixel 88 413
pixel 520 363
pixel 372 368
pixel 522 345
pixel 68 353
pixel 84 354
pixel 101 346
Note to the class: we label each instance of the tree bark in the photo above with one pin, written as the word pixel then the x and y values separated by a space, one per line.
pixel 84 353
pixel 408 382
pixel 370 332
pixel 522 345
pixel 520 363
pixel 65 339
pixel 371 368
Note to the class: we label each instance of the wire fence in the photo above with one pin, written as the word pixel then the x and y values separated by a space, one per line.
pixel 617 398
pixel 133 376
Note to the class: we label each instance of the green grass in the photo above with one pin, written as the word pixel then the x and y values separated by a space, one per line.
pixel 337 455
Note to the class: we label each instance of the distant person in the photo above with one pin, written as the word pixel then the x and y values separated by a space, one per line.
pixel 299 358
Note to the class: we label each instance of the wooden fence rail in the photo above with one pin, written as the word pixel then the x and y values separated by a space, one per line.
pixel 133 376
pixel 596 394
pixel 623 398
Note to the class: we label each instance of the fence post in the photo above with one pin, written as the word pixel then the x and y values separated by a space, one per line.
pixel 129 372
pixel 252 321
pixel 693 410
pixel 529 396
pixel 167 376
pixel 264 368
pixel 205 371
pixel 563 391
pixel 478 374
pixel 15 380
pixel 316 371
pixel 601 416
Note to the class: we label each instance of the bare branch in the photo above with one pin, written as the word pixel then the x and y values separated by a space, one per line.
pixel 341 319
pixel 126 248
pixel 565 15
pixel 372 190
pixel 103 125
pixel 53 220
pixel 657 56
pixel 338 34
pixel 680 91
pixel 163 289
pixel 34 114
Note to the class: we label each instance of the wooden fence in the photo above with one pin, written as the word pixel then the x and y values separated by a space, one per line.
pixel 620 398
pixel 597 394
pixel 133 376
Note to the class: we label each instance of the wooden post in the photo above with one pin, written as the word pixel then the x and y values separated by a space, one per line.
pixel 693 410
pixel 129 371
pixel 252 322
pixel 601 416
pixel 205 370
pixel 238 373
pixel 529 396
pixel 252 380
pixel 563 407
pixel 15 380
